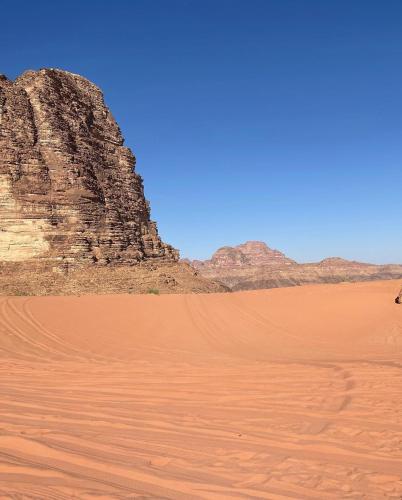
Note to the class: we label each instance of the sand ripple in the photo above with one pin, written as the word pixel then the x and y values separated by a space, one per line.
pixel 278 394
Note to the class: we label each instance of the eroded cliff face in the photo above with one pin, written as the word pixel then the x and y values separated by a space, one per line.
pixel 69 195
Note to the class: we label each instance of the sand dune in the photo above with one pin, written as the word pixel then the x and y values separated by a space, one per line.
pixel 277 394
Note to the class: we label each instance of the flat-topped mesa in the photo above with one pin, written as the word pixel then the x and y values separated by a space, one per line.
pixel 68 191
pixel 339 262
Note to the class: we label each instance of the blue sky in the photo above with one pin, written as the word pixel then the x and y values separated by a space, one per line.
pixel 275 120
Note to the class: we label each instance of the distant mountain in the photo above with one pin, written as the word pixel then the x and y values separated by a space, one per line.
pixel 254 265
pixel 251 253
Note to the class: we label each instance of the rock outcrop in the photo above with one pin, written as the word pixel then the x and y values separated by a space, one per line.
pixel 68 191
pixel 253 265
pixel 251 253
pixel 71 203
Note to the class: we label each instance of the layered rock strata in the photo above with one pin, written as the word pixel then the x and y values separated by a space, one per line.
pixel 69 195
pixel 251 253
pixel 253 265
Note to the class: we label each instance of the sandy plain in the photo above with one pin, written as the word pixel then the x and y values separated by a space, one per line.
pixel 289 393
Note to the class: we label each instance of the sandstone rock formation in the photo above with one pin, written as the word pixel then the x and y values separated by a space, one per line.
pixel 69 194
pixel 251 253
pixel 70 199
pixel 253 265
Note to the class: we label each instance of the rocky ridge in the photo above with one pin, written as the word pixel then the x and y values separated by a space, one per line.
pixel 70 198
pixel 254 265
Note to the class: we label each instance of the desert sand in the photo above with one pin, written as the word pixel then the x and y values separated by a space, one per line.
pixel 292 393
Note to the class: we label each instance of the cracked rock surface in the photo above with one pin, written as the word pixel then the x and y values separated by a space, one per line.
pixel 69 195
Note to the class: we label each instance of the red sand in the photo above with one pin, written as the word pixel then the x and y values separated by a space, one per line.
pixel 288 393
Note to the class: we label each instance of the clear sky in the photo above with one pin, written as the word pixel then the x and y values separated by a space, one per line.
pixel 274 120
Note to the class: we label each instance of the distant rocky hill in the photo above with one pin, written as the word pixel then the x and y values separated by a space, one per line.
pixel 251 253
pixel 70 200
pixel 254 265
